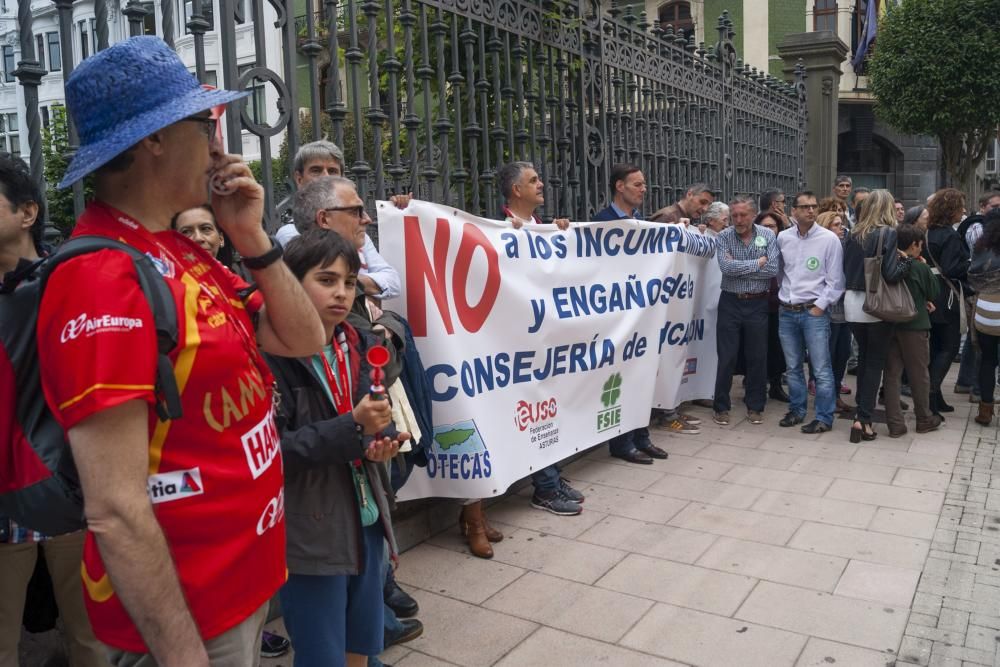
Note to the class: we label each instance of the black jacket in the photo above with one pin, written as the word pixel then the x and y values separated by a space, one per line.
pixel 322 516
pixel 855 253
pixel 952 258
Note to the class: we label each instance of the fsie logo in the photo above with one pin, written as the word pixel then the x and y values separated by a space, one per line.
pixel 526 414
pixel 611 415
pixel 167 486
pixel 90 326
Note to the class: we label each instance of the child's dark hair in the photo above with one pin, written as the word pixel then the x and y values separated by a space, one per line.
pixel 907 235
pixel 319 247
pixel 19 189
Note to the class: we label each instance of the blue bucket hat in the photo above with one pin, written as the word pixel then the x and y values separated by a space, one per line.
pixel 126 93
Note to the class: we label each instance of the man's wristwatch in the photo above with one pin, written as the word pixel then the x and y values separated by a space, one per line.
pixel 267 259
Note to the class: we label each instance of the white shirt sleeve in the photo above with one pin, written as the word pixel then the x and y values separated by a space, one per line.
pixel 379 270
pixel 286 233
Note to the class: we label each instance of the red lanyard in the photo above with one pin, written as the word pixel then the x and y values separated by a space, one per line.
pixel 341 398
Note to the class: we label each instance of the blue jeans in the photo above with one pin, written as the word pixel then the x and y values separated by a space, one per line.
pixel 801 332
pixel 546 480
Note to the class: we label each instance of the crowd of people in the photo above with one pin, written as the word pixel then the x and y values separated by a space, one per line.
pixel 277 483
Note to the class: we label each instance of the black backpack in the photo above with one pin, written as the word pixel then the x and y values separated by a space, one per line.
pixel 39 485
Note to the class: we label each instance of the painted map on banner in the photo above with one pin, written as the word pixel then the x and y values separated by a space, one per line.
pixel 537 342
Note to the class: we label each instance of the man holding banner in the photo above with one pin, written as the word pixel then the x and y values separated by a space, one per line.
pixel 523 192
pixel 628 188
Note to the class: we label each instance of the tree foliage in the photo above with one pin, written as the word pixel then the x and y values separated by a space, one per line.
pixel 931 73
pixel 55 143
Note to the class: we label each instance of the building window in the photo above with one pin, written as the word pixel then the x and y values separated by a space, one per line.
pixel 9 139
pixel 55 52
pixel 825 15
pixel 93 35
pixel 207 12
pixel 255 104
pixel 991 157
pixel 45 117
pixel 677 14
pixel 84 41
pixel 40 50
pixel 8 63
pixel 149 20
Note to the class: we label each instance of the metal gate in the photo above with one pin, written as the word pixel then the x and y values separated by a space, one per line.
pixel 432 96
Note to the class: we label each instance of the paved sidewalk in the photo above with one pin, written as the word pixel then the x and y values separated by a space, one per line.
pixel 750 545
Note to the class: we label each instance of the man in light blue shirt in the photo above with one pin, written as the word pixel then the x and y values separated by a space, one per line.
pixel 811 278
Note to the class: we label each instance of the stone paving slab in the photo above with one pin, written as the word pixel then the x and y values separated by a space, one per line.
pixel 749 546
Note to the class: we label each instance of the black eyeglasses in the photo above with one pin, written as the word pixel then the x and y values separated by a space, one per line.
pixel 208 124
pixel 357 211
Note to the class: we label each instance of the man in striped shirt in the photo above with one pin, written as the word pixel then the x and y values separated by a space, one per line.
pixel 748 258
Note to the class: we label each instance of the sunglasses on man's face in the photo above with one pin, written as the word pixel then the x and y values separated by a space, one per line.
pixel 208 124
pixel 353 211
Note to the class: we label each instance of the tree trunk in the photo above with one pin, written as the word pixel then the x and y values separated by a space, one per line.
pixel 961 154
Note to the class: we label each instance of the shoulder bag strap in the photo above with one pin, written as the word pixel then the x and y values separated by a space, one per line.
pixel 951 285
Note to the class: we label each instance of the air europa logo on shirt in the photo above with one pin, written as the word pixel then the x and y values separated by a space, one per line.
pixel 86 325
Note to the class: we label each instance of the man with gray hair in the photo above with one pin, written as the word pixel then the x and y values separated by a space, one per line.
pixel 332 202
pixel 748 257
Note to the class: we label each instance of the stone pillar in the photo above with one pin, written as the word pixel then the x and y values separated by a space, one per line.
pixel 822 54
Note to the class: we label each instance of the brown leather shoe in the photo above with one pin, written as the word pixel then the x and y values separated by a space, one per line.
pixel 844 408
pixel 473 527
pixel 928 424
pixel 897 431
pixel 492 534
pixel 985 416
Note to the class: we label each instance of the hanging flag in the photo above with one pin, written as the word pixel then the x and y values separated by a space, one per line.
pixel 867 36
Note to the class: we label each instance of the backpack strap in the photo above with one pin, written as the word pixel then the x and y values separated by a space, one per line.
pixel 161 303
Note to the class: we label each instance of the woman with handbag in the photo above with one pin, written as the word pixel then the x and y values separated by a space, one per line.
pixel 984 277
pixel 948 258
pixel 872 238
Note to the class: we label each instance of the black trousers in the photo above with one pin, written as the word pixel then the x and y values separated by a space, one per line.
pixel 775 355
pixel 988 367
pixel 945 341
pixel 746 318
pixel 873 350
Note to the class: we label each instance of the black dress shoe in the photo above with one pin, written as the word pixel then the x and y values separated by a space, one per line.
pixel 815 426
pixel 412 628
pixel 778 393
pixel 634 456
pixel 653 451
pixel 399 601
pixel 790 419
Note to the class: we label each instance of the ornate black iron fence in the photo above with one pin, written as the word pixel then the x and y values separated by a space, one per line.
pixel 432 96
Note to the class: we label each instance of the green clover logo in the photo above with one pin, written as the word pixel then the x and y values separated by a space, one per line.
pixel 611 390
pixel 812 263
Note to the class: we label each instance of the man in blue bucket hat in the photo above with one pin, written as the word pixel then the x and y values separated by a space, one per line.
pixel 186 540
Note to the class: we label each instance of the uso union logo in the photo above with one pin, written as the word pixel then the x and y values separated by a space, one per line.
pixel 526 414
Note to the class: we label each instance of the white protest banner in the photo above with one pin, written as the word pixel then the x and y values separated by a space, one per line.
pixel 537 342
pixel 702 360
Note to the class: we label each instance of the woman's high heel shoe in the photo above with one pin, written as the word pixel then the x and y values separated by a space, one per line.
pixel 856 433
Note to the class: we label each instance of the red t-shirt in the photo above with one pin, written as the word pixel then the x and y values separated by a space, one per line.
pixel 215 474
